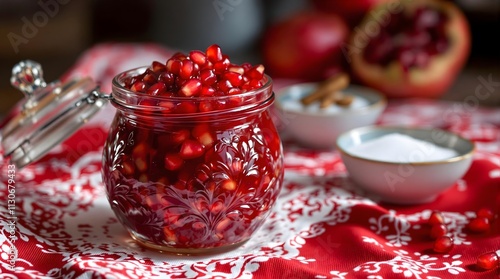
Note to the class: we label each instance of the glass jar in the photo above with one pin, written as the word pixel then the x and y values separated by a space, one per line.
pixel 192 182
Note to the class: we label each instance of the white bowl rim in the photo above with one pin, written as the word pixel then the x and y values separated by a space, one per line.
pixel 402 129
pixel 380 101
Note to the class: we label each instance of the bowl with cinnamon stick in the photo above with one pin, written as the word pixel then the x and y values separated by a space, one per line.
pixel 317 113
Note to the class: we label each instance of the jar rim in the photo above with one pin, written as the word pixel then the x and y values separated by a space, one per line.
pixel 118 88
pixel 124 98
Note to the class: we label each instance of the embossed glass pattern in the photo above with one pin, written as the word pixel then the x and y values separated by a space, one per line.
pixel 192 182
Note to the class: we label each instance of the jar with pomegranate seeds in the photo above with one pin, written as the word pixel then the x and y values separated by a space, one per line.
pixel 193 163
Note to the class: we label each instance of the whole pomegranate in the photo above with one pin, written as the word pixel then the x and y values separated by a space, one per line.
pixel 410 48
pixel 352 11
pixel 306 45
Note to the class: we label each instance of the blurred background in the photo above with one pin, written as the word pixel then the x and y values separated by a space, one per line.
pixel 56 32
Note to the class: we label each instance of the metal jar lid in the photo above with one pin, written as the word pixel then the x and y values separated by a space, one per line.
pixel 48 114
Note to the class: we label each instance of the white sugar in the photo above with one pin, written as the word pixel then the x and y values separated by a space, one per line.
pixel 399 148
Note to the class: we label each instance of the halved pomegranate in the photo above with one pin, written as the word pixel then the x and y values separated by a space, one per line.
pixel 410 48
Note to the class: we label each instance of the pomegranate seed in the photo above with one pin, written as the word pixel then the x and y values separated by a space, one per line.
pixel 191 88
pixel 222 225
pixel 180 136
pixel 179 56
pixel 138 86
pixel 488 261
pixel 191 149
pixel 198 57
pixel 141 164
pixel 234 78
pixel 158 67
pixel 236 69
pixel 157 89
pixel 229 185
pixel 214 53
pixel 208 77
pixel 150 78
pixel 187 69
pixel 479 225
pixel 128 168
pixel 225 85
pixel 169 235
pixel 167 107
pixel 234 91
pixel 436 218
pixel 443 244
pixel 174 66
pixel 216 207
pixel 207 91
pixel 186 107
pixel 167 78
pixel 256 72
pixel 221 66
pixel 486 213
pixel 202 133
pixel 198 226
pixel 173 162
pixel 206 106
pixel 438 230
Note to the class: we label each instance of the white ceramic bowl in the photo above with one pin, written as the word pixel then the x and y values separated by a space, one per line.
pixel 406 183
pixel 317 128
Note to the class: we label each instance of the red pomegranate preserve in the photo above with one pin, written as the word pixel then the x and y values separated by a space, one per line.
pixel 193 162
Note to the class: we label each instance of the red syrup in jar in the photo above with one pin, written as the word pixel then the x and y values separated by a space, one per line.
pixel 193 167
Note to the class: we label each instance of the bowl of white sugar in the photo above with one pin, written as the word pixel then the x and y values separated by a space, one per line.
pixel 404 165
pixel 317 125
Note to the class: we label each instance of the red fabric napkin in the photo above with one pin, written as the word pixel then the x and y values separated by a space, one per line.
pixel 322 226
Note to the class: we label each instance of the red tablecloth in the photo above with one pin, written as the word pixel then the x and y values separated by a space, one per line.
pixel 321 227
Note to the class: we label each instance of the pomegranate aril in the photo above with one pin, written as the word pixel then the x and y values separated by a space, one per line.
pixel 214 53
pixel 157 89
pixel 191 149
pixel 166 106
pixel 236 69
pixel 203 134
pixel 436 218
pixel 173 162
pixel 186 107
pixel 187 69
pixel 150 78
pixel 198 57
pixel 256 72
pixel 206 106
pixel 180 136
pixel 438 230
pixel 158 67
pixel 229 185
pixel 443 244
pixel 479 225
pixel 208 77
pixel 138 86
pixel 174 66
pixel 425 18
pixel 221 66
pixel 234 91
pixel 179 56
pixel 128 168
pixel 191 88
pixel 488 261
pixel 207 91
pixel 225 85
pixel 486 213
pixel 167 78
pixel 141 164
pixel 234 78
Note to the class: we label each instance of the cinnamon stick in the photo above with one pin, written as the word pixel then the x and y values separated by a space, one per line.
pixel 332 84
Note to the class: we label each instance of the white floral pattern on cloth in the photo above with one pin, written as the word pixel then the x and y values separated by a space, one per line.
pixel 322 226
